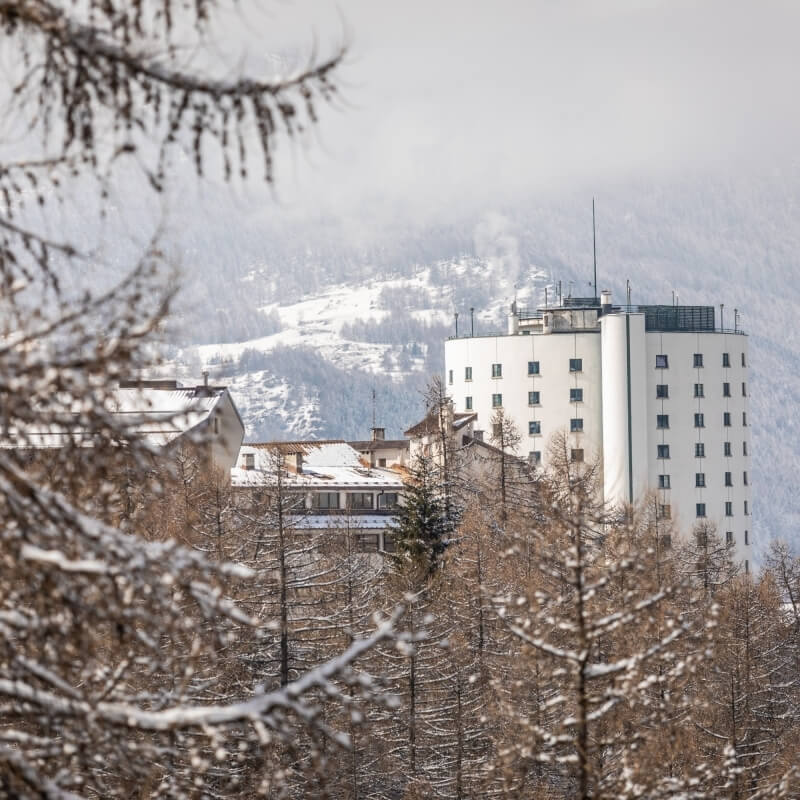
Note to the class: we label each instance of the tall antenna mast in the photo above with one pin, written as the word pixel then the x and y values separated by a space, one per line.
pixel 373 410
pixel 594 249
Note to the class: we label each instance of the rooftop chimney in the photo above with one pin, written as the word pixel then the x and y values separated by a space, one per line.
pixel 477 436
pixel 605 298
pixel 378 434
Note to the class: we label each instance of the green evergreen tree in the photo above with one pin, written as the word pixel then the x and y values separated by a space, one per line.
pixel 422 528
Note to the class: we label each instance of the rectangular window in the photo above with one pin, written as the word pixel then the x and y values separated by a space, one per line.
pixel 746 567
pixel 533 398
pixel 702 535
pixel 324 501
pixel 699 421
pixel 662 390
pixel 746 508
pixel 744 448
pixel 467 373
pixel 577 455
pixel 381 462
pixel 388 500
pixel 698 390
pixel 535 457
pixel 744 362
pixel 576 424
pixel 700 509
pixel 726 449
pixel 665 541
pixel 497 370
pixel 699 450
pixel 728 479
pixel 744 419
pixel 700 479
pixel 249 460
pixel 663 481
pixel 729 538
pixel 662 362
pixel 726 359
pixel 664 511
pixel 534 428
pixel 745 478
pixel 744 389
pixel 746 534
pixel 728 508
pixel 576 365
pixel 366 542
pixel 576 395
pixel 497 430
pixel 663 451
pixel 533 368
pixel 468 403
pixel 697 360
pixel 726 419
pixel 450 377
pixel 726 390
pixel 360 501
pixel 497 400
pixel 662 421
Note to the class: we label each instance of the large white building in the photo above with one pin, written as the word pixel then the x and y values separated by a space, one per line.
pixel 658 394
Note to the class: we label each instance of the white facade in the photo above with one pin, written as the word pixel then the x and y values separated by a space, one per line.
pixel 594 372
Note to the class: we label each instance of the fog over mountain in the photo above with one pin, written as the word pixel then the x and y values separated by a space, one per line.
pixel 460 161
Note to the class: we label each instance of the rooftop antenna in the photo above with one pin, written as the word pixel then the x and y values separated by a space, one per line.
pixel 472 321
pixel 373 409
pixel 456 316
pixel 594 249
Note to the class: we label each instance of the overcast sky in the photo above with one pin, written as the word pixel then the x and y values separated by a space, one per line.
pixel 460 101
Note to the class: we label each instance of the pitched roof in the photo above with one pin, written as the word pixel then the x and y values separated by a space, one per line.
pixel 431 422
pixel 369 445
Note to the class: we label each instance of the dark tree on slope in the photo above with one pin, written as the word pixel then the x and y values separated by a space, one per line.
pixel 422 528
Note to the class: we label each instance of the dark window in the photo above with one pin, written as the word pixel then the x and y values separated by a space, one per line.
pixel 535 457
pixel 468 403
pixel 728 479
pixel 726 390
pixel 662 390
pixel 533 368
pixel 746 567
pixel 745 478
pixel 497 400
pixel 381 462
pixel 360 501
pixel 665 541
pixel 576 395
pixel 450 377
pixel 663 451
pixel 389 544
pixel 699 450
pixel 697 360
pixel 533 398
pixel 744 362
pixel 744 389
pixel 467 373
pixel 726 418
pixel 497 430
pixel 577 454
pixel 663 481
pixel 728 508
pixel 325 500
pixel 388 500
pixel 662 362
pixel 746 534
pixel 699 421
pixel 249 461
pixel 698 390
pixel 744 448
pixel 576 365
pixel 367 542
pixel 497 370
pixel 744 418
pixel 576 424
pixel 702 535
pixel 662 421
pixel 746 508
pixel 729 538
pixel 700 510
pixel 664 511
pixel 534 427
pixel 726 449
pixel 726 359
pixel 700 479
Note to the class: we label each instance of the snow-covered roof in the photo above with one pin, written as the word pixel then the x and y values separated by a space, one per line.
pixel 431 423
pixel 337 522
pixel 325 465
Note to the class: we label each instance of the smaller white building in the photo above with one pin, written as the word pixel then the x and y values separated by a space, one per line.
pixel 336 490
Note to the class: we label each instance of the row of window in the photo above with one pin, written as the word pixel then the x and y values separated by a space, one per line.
pixel 535 456
pixel 356 501
pixel 662 390
pixel 700 480
pixel 662 360
pixel 662 420
pixel 700 510
pixel 575 365
pixel 700 450
pixel 535 427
